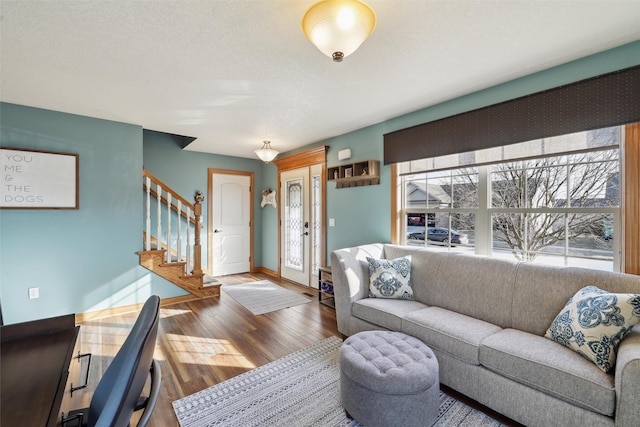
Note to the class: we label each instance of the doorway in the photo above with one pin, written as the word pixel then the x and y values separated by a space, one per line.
pixel 301 219
pixel 230 222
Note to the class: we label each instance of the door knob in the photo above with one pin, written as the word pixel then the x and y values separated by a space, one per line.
pixel 217 231
pixel 306 233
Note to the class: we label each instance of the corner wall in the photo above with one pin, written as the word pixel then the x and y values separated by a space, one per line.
pixel 81 260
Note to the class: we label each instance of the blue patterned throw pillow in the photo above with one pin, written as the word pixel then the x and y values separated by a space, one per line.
pixel 390 278
pixel 594 322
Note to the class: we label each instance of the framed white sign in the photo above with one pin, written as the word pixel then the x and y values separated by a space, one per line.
pixel 38 179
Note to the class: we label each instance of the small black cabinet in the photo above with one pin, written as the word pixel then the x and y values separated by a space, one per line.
pixel 325 287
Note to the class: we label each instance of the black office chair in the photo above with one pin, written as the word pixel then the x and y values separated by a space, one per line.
pixel 118 395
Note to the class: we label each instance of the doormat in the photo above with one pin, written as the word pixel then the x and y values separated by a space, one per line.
pixel 263 296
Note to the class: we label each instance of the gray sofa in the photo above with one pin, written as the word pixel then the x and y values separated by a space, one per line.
pixel 485 320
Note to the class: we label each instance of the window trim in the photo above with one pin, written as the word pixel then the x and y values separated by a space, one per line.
pixel 630 203
pixel 484 213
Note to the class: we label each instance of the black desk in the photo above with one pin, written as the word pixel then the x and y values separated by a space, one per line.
pixel 35 358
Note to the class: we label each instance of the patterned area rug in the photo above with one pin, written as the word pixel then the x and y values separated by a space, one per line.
pixel 301 389
pixel 263 296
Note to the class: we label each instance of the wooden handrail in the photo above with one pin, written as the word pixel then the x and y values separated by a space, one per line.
pixel 196 208
pixel 164 200
pixel 168 189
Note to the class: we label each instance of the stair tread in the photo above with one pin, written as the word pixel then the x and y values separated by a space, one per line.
pixel 174 272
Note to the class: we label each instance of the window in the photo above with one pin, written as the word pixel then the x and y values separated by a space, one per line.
pixel 441 208
pixel 560 209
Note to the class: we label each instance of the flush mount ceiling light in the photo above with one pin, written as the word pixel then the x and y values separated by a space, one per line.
pixel 338 27
pixel 266 153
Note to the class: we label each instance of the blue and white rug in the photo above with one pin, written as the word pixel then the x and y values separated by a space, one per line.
pixel 264 296
pixel 301 389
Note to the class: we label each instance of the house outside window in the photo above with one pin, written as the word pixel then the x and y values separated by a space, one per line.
pixel 519 203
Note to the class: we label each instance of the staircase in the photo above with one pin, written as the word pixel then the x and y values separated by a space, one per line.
pixel 171 255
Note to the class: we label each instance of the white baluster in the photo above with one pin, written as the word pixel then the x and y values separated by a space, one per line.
pixel 159 226
pixel 168 228
pixel 147 240
pixel 179 239
pixel 188 258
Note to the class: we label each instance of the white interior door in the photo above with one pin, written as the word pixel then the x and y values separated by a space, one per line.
pixel 230 204
pixel 301 202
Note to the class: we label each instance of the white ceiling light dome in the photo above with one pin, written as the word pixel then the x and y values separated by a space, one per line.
pixel 338 27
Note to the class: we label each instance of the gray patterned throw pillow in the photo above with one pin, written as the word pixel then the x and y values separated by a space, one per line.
pixel 594 322
pixel 390 278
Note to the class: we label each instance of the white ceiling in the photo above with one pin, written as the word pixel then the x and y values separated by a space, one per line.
pixel 235 72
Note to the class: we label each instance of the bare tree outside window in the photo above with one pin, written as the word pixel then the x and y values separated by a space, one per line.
pixel 528 197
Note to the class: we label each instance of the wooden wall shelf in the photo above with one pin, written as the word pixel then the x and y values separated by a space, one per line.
pixel 355 174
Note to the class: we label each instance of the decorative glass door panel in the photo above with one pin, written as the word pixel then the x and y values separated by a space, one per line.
pixel 294 224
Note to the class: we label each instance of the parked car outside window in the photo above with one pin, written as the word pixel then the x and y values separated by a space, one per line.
pixel 441 235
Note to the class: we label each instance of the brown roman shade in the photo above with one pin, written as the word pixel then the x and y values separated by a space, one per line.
pixel 607 100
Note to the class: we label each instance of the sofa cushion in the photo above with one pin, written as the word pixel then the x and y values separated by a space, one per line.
pixel 390 278
pixel 476 286
pixel 551 286
pixel 425 264
pixel 544 365
pixel 449 332
pixel 387 313
pixel 594 322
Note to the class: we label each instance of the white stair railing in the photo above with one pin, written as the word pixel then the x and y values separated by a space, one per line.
pixel 188 246
pixel 182 212
pixel 147 235
pixel 169 246
pixel 179 238
pixel 159 217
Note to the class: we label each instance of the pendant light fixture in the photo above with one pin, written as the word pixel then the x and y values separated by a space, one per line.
pixel 338 27
pixel 266 153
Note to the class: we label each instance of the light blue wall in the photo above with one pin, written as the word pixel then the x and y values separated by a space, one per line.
pixel 82 260
pixel 269 215
pixel 187 172
pixel 363 214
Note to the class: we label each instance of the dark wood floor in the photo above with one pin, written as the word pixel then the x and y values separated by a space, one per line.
pixel 203 342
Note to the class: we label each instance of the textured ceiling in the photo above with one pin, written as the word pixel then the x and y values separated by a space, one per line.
pixel 234 72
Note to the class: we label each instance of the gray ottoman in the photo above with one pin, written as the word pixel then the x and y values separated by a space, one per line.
pixel 389 379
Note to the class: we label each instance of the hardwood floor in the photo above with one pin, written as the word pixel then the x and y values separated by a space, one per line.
pixel 203 342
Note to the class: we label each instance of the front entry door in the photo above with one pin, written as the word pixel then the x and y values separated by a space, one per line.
pixel 301 202
pixel 230 229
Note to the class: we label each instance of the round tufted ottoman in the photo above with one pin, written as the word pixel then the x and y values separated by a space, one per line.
pixel 389 379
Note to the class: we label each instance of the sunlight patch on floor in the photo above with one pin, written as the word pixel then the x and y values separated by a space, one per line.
pixel 170 312
pixel 205 351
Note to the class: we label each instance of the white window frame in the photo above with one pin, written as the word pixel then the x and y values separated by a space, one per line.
pixel 484 213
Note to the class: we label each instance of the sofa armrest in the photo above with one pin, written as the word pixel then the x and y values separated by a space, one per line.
pixel 627 380
pixel 350 275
